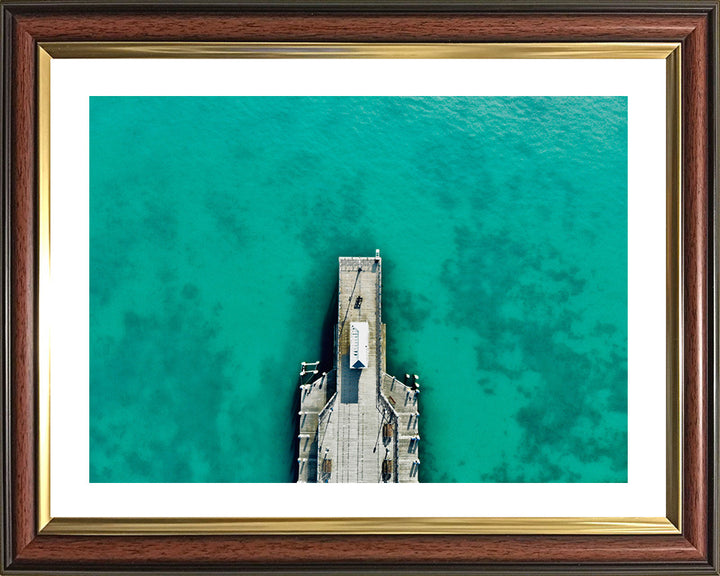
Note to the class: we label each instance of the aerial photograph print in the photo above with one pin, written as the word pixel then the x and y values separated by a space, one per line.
pixel 350 289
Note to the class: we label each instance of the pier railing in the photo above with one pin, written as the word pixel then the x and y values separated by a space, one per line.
pixel 386 407
pixel 378 329
pixel 327 407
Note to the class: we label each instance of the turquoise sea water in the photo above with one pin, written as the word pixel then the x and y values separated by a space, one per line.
pixel 215 228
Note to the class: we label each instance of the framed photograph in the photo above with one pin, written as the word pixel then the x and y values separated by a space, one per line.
pixel 262 260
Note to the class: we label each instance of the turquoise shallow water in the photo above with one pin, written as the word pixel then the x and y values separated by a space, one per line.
pixel 215 228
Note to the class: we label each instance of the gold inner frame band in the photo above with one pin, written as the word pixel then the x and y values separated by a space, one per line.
pixel 289 526
pixel 673 290
pixel 671 524
pixel 43 396
pixel 531 50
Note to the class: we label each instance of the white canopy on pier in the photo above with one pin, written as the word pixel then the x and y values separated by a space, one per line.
pixel 359 334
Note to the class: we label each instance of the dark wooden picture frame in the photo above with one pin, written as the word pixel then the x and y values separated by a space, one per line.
pixel 26 24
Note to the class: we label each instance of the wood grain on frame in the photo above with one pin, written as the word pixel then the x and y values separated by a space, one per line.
pixel 692 23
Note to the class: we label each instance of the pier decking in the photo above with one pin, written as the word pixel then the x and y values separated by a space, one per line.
pixel 367 430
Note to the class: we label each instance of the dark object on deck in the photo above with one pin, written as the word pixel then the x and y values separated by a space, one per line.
pixel 387 431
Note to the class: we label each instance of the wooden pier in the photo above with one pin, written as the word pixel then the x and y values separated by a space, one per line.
pixel 367 429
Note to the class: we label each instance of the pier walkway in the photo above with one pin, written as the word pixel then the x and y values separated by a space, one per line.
pixel 367 430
